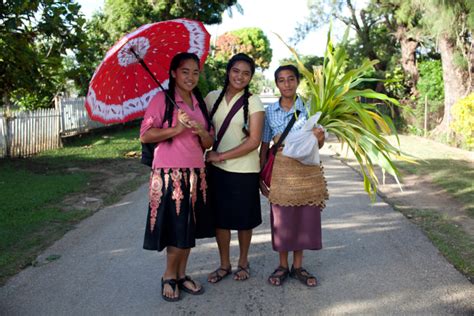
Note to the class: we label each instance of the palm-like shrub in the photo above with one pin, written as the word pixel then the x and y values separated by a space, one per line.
pixel 361 126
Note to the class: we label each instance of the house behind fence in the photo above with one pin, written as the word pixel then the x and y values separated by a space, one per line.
pixel 25 133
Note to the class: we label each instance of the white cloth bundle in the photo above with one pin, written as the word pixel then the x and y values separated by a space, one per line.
pixel 302 145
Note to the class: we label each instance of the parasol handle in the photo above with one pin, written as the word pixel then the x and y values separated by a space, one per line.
pixel 142 62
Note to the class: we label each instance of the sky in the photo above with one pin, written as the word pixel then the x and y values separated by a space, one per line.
pixel 271 16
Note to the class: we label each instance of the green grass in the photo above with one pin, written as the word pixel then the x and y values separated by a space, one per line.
pixel 31 212
pixel 24 200
pixel 105 146
pixel 452 241
pixel 448 167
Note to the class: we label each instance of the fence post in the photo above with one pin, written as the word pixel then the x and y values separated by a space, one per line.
pixel 58 105
pixel 425 126
pixel 8 135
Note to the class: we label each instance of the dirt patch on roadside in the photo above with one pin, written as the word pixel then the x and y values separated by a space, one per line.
pixel 420 193
pixel 108 182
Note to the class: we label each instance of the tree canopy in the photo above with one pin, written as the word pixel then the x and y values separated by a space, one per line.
pixel 122 16
pixel 35 37
pixel 404 33
pixel 251 41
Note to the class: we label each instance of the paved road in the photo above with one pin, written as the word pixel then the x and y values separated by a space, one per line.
pixel 374 261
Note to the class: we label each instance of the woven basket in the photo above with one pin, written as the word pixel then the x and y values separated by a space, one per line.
pixel 296 184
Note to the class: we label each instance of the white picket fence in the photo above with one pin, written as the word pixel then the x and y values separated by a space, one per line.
pixel 25 133
pixel 74 117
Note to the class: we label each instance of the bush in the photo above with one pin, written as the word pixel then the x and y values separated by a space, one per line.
pixel 431 86
pixel 431 82
pixel 463 121
pixel 395 83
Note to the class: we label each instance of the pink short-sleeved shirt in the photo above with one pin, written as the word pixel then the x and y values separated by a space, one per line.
pixel 184 150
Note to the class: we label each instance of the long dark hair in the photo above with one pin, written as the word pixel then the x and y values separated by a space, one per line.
pixel 238 57
pixel 177 60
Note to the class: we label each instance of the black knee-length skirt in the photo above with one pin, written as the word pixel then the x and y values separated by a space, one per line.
pixel 178 211
pixel 234 199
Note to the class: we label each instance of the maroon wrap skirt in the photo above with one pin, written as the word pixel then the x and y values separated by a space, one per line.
pixel 296 227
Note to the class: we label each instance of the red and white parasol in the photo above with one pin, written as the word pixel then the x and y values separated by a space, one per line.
pixel 121 87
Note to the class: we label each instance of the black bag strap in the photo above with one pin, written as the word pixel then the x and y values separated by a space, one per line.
pixel 285 132
pixel 237 106
pixel 148 149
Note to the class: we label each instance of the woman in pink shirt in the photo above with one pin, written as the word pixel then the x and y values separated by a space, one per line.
pixel 180 124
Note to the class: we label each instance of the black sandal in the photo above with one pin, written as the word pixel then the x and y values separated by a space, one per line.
pixel 172 283
pixel 303 276
pixel 186 289
pixel 240 269
pixel 219 277
pixel 280 274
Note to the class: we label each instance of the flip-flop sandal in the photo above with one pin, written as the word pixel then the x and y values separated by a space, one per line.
pixel 184 288
pixel 240 269
pixel 280 274
pixel 219 277
pixel 303 276
pixel 173 283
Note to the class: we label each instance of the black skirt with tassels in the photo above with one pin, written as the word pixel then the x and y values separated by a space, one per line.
pixel 178 210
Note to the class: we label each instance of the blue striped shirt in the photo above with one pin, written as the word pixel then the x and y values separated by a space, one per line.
pixel 276 119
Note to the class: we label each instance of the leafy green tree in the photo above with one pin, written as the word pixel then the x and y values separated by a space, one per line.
pixel 122 16
pixel 213 75
pixel 384 29
pixel 362 20
pixel 35 37
pixel 431 80
pixel 431 89
pixel 209 12
pixel 90 52
pixel 453 29
pixel 403 23
pixel 251 41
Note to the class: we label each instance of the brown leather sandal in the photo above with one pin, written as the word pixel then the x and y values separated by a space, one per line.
pixel 218 277
pixel 303 276
pixel 280 274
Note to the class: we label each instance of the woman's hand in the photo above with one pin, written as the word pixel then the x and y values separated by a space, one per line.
pixel 183 121
pixel 197 129
pixel 319 134
pixel 213 156
pixel 204 136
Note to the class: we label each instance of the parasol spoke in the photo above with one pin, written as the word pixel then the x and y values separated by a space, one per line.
pixel 142 63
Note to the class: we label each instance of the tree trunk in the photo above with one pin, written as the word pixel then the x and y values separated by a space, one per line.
pixel 471 70
pixel 456 81
pixel 408 46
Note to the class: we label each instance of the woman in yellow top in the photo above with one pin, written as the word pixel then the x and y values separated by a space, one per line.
pixel 234 173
